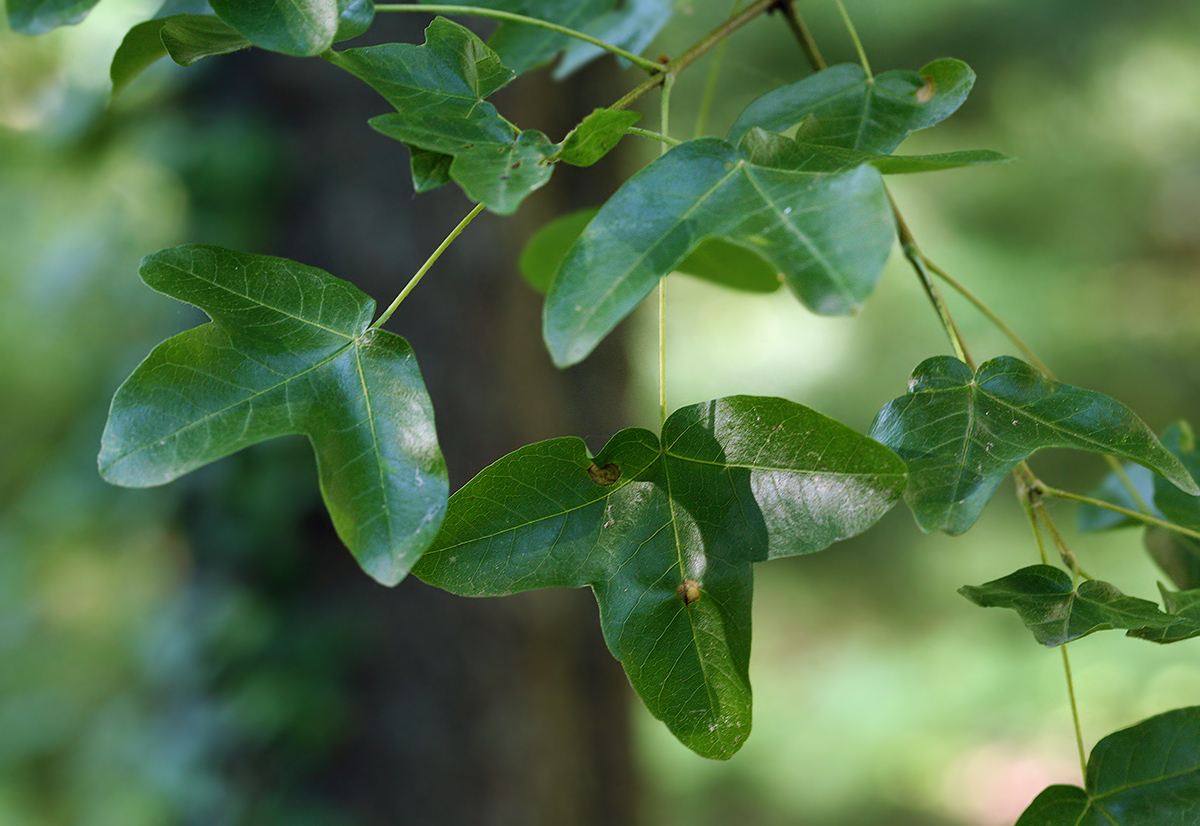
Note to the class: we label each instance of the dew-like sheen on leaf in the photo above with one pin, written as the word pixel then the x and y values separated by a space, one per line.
pixel 961 434
pixel 1145 775
pixel 288 351
pixel 829 235
pixel 665 532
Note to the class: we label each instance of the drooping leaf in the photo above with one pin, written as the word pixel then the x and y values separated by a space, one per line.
pixel 841 106
pixel 288 351
pixel 665 532
pixel 1174 504
pixel 714 260
pixel 438 90
pixel 429 169
pixel 41 16
pixel 1056 612
pixel 301 28
pixel 632 25
pixel 962 433
pixel 595 137
pixel 1145 775
pixel 188 38
pixel 1176 554
pixel 828 234
pixel 769 149
pixel 1183 607
pixel 1114 491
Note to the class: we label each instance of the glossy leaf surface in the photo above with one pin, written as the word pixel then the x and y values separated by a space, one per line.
pixel 1056 612
pixel 438 90
pixel 828 234
pixel 665 532
pixel 41 16
pixel 962 433
pixel 596 136
pixel 713 260
pixel 288 351
pixel 1145 775
pixel 301 28
pixel 840 106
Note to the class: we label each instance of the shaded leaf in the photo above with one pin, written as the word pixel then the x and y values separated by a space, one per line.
pixel 1183 607
pixel 301 28
pixel 714 260
pixel 288 351
pixel 1176 554
pixel 1056 612
pixel 1145 775
pixel 595 137
pixel 1174 504
pixel 770 149
pixel 962 433
pixel 632 25
pixel 438 90
pixel 1114 491
pixel 665 533
pixel 188 38
pixel 840 106
pixel 429 169
pixel 829 234
pixel 41 16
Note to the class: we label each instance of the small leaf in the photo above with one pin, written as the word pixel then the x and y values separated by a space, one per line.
pixel 438 90
pixel 354 18
pixel 41 16
pixel 188 38
pixel 829 234
pixel 840 106
pixel 1174 504
pixel 523 47
pixel 301 28
pixel 1183 607
pixel 1113 490
pixel 770 149
pixel 596 136
pixel 714 260
pixel 961 434
pixel 429 169
pixel 632 25
pixel 665 533
pixel 288 351
pixel 1056 612
pixel 1145 775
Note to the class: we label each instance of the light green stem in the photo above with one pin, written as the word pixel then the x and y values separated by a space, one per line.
pixel 512 17
pixel 1074 711
pixel 862 54
pixel 429 262
pixel 665 126
pixel 654 136
pixel 1141 517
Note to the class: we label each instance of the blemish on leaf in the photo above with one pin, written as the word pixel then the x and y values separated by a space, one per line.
pixel 688 591
pixel 604 475
pixel 925 93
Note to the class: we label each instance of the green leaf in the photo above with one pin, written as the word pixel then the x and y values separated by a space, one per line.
pixel 1113 490
pixel 961 434
pixel 41 16
pixel 829 234
pixel 1145 775
pixel 714 260
pixel 665 533
pixel 301 28
pixel 592 139
pixel 438 90
pixel 354 18
pixel 1056 612
pixel 840 106
pixel 1175 505
pixel 429 169
pixel 1183 607
pixel 288 351
pixel 770 149
pixel 632 25
pixel 188 38
pixel 523 47
pixel 1176 554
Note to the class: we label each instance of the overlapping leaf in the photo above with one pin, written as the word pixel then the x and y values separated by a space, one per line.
pixel 665 533
pixel 301 28
pixel 841 106
pixel 438 90
pixel 288 351
pixel 41 16
pixel 770 149
pixel 962 433
pixel 829 234
pixel 1145 775
pixel 1056 612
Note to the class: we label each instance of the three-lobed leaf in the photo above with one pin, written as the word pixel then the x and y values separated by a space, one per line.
pixel 961 433
pixel 1145 775
pixel 289 350
pixel 829 235
pixel 665 532
pixel 840 106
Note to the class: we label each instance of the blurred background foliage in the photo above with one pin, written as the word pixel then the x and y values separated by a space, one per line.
pixel 151 663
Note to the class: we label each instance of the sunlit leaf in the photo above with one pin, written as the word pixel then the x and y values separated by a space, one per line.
pixel 288 351
pixel 665 533
pixel 1145 775
pixel 595 137
pixel 962 433
pixel 841 106
pixel 41 16
pixel 828 234
pixel 301 28
pixel 438 90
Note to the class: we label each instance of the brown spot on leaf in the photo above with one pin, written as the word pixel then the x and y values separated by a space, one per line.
pixel 688 591
pixel 604 475
pixel 925 93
